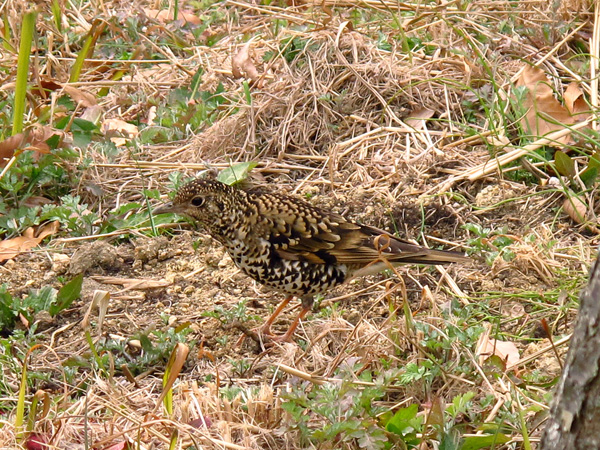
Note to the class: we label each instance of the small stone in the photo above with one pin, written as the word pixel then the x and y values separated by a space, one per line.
pixel 60 263
pixel 189 290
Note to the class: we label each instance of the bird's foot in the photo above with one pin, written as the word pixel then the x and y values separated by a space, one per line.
pixel 261 335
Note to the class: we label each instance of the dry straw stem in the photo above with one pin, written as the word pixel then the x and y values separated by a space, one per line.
pixel 537 354
pixel 498 162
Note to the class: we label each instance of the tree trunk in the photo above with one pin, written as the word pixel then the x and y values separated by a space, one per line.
pixel 574 422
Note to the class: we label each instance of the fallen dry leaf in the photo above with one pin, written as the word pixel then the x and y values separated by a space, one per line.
pixel 540 102
pixel 84 98
pixel 33 139
pixel 45 86
pixel 165 15
pixel 545 113
pixel 93 114
pixel 418 117
pixel 125 131
pixel 122 445
pixel 575 208
pixel 575 101
pixel 242 65
pixel 9 248
pixel 36 200
pixel 9 146
pixel 37 135
pixel 486 347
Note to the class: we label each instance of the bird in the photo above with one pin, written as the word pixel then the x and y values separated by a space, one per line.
pixel 292 246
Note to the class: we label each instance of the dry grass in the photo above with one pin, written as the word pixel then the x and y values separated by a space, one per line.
pixel 366 128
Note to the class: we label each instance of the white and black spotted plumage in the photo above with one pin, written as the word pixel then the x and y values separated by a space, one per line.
pixel 291 246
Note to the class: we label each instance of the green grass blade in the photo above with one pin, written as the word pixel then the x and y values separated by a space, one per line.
pixel 6 35
pixel 56 14
pixel 87 50
pixel 176 10
pixel 27 30
pixel 21 400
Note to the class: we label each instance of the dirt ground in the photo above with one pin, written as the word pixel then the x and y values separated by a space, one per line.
pixel 396 119
pixel 199 276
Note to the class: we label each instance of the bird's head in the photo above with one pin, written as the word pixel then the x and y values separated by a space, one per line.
pixel 205 201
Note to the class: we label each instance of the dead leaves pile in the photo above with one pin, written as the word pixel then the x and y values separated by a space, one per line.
pixel 544 113
pixel 546 116
pixel 9 248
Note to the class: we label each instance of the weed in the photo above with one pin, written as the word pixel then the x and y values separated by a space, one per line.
pixel 227 316
pixel 44 299
pixel 491 243
pixel 185 111
pixel 155 349
pixel 240 366
pixel 73 215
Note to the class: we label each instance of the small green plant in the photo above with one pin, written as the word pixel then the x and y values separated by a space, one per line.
pixel 156 348
pixel 222 340
pixel 43 299
pixel 348 415
pixel 442 425
pixel 226 316
pixel 176 180
pixel 236 172
pixel 47 177
pixel 492 243
pixel 185 111
pixel 240 366
pixel 73 215
pixel 289 48
pixel 405 424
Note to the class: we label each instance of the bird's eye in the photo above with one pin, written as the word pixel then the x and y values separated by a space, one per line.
pixel 197 201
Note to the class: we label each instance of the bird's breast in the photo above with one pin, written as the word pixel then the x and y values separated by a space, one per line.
pixel 294 277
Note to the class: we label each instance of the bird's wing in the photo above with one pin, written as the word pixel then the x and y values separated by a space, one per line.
pixel 299 231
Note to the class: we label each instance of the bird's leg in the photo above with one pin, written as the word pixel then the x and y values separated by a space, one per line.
pixel 307 303
pixel 266 327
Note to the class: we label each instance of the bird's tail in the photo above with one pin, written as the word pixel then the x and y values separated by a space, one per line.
pixel 403 252
pixel 430 256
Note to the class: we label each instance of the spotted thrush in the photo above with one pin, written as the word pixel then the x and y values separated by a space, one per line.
pixel 291 246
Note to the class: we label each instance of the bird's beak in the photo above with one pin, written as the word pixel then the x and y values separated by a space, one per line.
pixel 166 208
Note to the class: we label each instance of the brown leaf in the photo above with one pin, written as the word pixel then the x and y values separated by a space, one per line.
pixel 575 102
pixel 202 421
pixel 575 208
pixel 85 98
pixel 543 110
pixel 39 134
pixel 487 347
pixel 165 15
pixel 242 65
pixel 119 131
pixel 506 351
pixel 9 146
pixel 34 201
pixel 45 86
pixel 92 113
pixel 9 248
pixel 418 117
